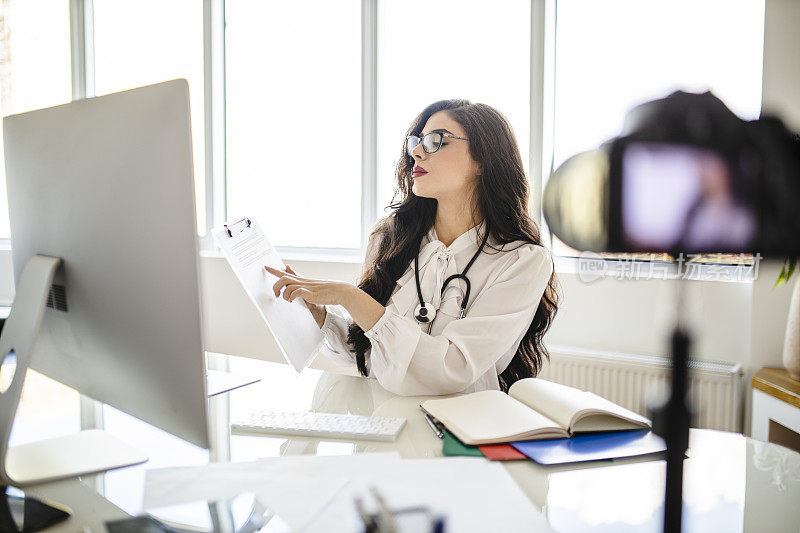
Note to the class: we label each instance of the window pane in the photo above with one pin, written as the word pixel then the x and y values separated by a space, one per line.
pixel 294 119
pixel 34 65
pixel 430 51
pixel 150 41
pixel 615 54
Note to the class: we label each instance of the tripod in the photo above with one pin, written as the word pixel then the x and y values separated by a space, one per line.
pixel 671 422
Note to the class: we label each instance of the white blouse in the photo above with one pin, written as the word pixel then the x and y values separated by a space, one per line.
pixel 459 355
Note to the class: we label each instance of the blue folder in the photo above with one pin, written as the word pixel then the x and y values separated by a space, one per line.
pixel 592 447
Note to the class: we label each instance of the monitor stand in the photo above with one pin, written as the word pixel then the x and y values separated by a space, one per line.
pixel 87 452
pixel 21 513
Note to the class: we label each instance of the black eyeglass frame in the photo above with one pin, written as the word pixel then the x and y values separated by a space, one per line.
pixel 422 141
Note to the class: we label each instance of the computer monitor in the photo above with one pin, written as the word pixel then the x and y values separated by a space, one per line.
pixel 106 184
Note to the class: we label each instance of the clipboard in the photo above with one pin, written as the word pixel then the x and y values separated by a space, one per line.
pixel 247 251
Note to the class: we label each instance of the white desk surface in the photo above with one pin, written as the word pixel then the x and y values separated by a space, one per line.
pixel 732 483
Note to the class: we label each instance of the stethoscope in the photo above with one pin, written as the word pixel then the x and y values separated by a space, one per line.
pixel 425 312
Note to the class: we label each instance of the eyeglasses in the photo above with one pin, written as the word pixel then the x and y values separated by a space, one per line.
pixel 431 142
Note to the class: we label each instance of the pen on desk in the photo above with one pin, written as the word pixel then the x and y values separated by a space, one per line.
pixel 434 427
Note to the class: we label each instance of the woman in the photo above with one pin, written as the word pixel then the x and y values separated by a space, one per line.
pixel 464 208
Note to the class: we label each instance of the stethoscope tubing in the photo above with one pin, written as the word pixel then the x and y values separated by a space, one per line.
pixel 463 276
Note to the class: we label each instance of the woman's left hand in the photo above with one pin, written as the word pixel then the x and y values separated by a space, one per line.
pixel 315 291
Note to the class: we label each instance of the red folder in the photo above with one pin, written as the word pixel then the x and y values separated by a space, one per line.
pixel 501 452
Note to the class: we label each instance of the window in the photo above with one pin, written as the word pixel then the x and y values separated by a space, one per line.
pixel 293 123
pixel 294 75
pixel 149 41
pixel 615 54
pixel 34 65
pixel 467 49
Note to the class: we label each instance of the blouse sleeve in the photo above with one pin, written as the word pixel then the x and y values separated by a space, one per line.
pixel 335 329
pixel 337 320
pixel 407 361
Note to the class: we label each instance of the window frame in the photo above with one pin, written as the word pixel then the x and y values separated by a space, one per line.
pixel 542 16
pixel 81 42
pixel 542 121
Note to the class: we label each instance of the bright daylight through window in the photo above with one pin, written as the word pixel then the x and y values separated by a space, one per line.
pixel 294 73
pixel 293 119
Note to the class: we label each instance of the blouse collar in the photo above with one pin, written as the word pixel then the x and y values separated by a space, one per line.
pixel 405 296
pixel 469 238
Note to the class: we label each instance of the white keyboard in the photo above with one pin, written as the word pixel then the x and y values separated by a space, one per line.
pixel 338 426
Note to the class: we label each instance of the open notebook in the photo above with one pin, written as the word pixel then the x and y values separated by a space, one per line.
pixel 533 409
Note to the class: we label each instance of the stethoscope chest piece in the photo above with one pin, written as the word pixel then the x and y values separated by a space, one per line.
pixel 424 313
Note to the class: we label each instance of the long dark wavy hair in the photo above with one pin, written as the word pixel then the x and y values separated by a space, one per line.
pixel 501 198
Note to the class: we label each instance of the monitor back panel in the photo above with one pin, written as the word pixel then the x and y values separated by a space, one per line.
pixel 107 184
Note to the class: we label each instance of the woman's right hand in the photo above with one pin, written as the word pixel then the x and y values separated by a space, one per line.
pixel 317 311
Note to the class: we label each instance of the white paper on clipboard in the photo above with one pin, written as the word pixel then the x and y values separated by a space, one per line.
pixel 247 250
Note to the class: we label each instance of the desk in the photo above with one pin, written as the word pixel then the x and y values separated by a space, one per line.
pixel 732 483
pixel 776 407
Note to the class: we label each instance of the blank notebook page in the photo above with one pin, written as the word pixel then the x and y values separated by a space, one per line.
pixel 487 415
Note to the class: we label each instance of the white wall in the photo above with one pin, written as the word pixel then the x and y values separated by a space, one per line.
pixel 780 95
pixel 608 315
pixel 780 92
pixel 637 316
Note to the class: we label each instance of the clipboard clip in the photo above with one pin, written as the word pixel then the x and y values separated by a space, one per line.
pixel 237 226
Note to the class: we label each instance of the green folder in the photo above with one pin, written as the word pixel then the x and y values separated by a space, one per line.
pixel 453 446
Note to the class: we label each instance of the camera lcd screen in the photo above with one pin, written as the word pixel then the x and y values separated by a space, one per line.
pixel 684 198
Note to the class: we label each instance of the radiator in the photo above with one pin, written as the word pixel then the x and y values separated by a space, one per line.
pixel 635 381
